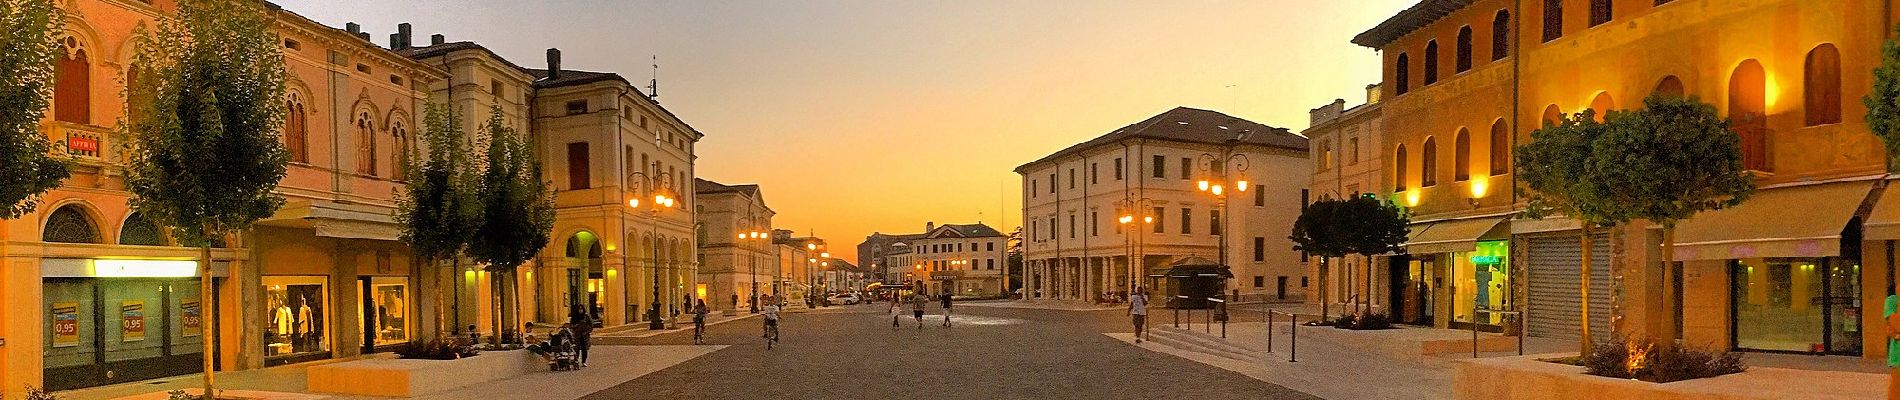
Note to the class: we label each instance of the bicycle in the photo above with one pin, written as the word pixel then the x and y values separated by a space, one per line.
pixel 699 331
pixel 771 334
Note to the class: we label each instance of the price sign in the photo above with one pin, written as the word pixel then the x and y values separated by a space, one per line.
pixel 193 317
pixel 132 320
pixel 65 316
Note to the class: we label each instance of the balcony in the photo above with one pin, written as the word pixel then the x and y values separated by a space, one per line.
pixel 82 142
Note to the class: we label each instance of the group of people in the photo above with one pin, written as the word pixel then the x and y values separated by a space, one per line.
pixel 577 332
pixel 918 302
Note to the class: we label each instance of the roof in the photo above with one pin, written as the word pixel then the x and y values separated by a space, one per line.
pixel 1192 125
pixel 1418 16
pixel 966 231
pixel 703 186
pixel 423 52
pixel 571 77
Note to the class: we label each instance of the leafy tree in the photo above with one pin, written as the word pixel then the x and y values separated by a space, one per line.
pixel 1883 102
pixel 205 156
pixel 28 46
pixel 1015 262
pixel 437 207
pixel 1331 228
pixel 1668 161
pixel 516 202
pixel 1555 170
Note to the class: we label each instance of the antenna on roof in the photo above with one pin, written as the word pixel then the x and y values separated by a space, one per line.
pixel 653 86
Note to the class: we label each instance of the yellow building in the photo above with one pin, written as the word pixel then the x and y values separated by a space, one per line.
pixel 1790 270
pixel 735 245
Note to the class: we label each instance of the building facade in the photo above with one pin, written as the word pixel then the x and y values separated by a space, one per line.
pixel 1147 174
pixel 963 259
pixel 735 245
pixel 1789 270
pixel 1346 162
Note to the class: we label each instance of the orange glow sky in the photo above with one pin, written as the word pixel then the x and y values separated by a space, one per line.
pixel 862 116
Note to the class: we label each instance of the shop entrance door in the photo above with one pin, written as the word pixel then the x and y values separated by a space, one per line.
pixel 1421 283
pixel 103 331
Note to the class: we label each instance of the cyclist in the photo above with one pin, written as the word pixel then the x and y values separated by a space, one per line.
pixel 771 320
pixel 699 322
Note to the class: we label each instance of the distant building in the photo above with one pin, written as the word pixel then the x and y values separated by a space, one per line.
pixel 968 260
pixel 735 247
pixel 1346 157
pixel 1076 246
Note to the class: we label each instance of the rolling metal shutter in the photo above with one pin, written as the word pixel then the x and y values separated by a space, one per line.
pixel 1553 311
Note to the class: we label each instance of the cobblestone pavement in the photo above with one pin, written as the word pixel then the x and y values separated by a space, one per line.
pixel 989 353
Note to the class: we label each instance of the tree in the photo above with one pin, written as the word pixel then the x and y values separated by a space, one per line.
pixel 1318 232
pixel 1015 262
pixel 1373 227
pixel 205 156
pixel 516 202
pixel 1883 102
pixel 28 46
pixel 1668 161
pixel 1555 170
pixel 437 207
pixel 1331 228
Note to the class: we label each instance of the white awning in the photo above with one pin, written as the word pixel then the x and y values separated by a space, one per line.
pixel 345 229
pixel 1800 221
pixel 1451 236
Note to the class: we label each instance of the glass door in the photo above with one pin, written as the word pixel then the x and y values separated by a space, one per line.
pixel 1844 308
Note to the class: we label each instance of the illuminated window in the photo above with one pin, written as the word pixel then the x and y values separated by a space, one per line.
pixel 1428 159
pixel 72 86
pixel 1501 35
pixel 1398 169
pixel 1553 19
pixel 1464 49
pixel 1747 103
pixel 1402 74
pixel 1461 156
pixel 1823 85
pixel 1603 104
pixel 1431 62
pixel 1500 148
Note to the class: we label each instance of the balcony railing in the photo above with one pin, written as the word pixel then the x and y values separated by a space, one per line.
pixel 84 142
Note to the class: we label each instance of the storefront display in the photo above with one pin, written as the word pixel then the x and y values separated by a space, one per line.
pixel 295 313
pixel 388 297
pixel 1481 283
pixel 1808 305
pixel 118 329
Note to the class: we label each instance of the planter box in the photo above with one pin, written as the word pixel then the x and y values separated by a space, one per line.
pixel 1410 343
pixel 409 378
pixel 1526 377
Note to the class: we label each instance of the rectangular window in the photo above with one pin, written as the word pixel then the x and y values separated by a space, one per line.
pixel 1094 177
pixel 1035 230
pixel 1052 183
pixel 1095 224
pixel 1187 168
pixel 989 263
pixel 1259 281
pixel 1071 178
pixel 991 246
pixel 1354 142
pixel 1160 166
pixel 1305 198
pixel 1034 188
pixel 1187 220
pixel 1259 197
pixel 577 166
pixel 1600 12
pixel 1118 168
pixel 577 107
pixel 1159 222
pixel 1052 228
pixel 1071 226
pixel 1213 222
pixel 1259 249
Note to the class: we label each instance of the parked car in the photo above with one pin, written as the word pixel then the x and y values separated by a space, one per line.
pixel 844 298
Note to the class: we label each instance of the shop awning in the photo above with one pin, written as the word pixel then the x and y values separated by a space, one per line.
pixel 347 229
pixel 1884 223
pixel 1451 236
pixel 1198 267
pixel 1801 221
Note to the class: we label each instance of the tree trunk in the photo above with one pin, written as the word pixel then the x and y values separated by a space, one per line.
pixel 1583 286
pixel 1322 289
pixel 208 325
pixel 1669 331
pixel 430 268
pixel 1369 275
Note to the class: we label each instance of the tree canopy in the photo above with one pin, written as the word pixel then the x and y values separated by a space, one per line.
pixel 28 46
pixel 1355 225
pixel 438 208
pixel 517 203
pixel 1668 161
pixel 1883 102
pixel 1555 170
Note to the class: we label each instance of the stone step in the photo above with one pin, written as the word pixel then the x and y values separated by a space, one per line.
pixel 1181 340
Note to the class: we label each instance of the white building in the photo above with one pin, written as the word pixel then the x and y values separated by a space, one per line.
pixel 1346 157
pixel 1077 245
pixel 968 260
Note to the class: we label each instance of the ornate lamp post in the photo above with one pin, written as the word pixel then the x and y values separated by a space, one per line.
pixel 660 202
pixel 1222 172
pixel 1133 209
pixel 753 237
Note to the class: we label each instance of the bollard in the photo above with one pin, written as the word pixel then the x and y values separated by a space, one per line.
pixel 1269 313
pixel 1474 338
pixel 1294 353
pixel 1177 317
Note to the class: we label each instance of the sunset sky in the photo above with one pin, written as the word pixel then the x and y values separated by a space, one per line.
pixel 862 116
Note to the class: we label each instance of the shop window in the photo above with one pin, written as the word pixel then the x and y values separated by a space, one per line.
pixel 366 145
pixel 1431 62
pixel 1600 12
pixel 1500 148
pixel 72 86
pixel 1670 86
pixel 1776 305
pixel 296 317
pixel 1428 163
pixel 1553 19
pixel 1823 85
pixel 1501 35
pixel 296 130
pixel 388 297
pixel 1461 156
pixel 1463 62
pixel 141 231
pixel 1402 74
pixel 1398 169
pixel 69 224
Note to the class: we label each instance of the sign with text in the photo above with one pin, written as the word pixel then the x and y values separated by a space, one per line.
pixel 192 318
pixel 82 145
pixel 132 320
pixel 65 316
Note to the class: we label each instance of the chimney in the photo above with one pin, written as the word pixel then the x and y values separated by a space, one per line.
pixel 395 41
pixel 930 226
pixel 554 64
pixel 353 28
pixel 408 36
pixel 437 39
pixel 364 36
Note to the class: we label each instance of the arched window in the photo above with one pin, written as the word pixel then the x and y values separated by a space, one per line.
pixel 1553 19
pixel 1428 163
pixel 1402 72
pixel 1670 86
pixel 1823 85
pixel 1747 106
pixel 366 145
pixel 1398 169
pixel 1553 116
pixel 1600 12
pixel 403 147
pixel 1461 156
pixel 1500 148
pixel 72 83
pixel 69 224
pixel 1431 62
pixel 141 231
pixel 1501 35
pixel 1602 105
pixel 296 129
pixel 1464 49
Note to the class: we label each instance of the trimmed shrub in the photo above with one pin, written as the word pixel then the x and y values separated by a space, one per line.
pixel 1345 321
pixel 1640 359
pixel 436 349
pixel 1372 321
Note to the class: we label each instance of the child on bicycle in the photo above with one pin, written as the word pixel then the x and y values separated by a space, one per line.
pixel 771 320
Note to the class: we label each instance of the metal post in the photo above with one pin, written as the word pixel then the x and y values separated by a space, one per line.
pixel 1474 336
pixel 1269 314
pixel 1293 321
pixel 1177 317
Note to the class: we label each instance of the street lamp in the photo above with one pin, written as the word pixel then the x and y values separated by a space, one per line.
pixel 660 202
pixel 1227 170
pixel 1136 237
pixel 753 237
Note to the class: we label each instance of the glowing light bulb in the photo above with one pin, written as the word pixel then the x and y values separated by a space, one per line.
pixel 633 202
pixel 1217 190
pixel 1241 186
pixel 1203 185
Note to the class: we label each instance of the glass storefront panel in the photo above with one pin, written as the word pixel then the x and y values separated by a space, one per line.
pixel 1844 308
pixel 296 315
pixel 1480 283
pixel 112 330
pixel 389 297
pixel 186 318
pixel 131 307
pixel 1797 304
pixel 70 316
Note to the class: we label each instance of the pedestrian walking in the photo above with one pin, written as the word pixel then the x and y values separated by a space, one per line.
pixel 1138 312
pixel 583 327
pixel 917 303
pixel 945 298
pixel 897 310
